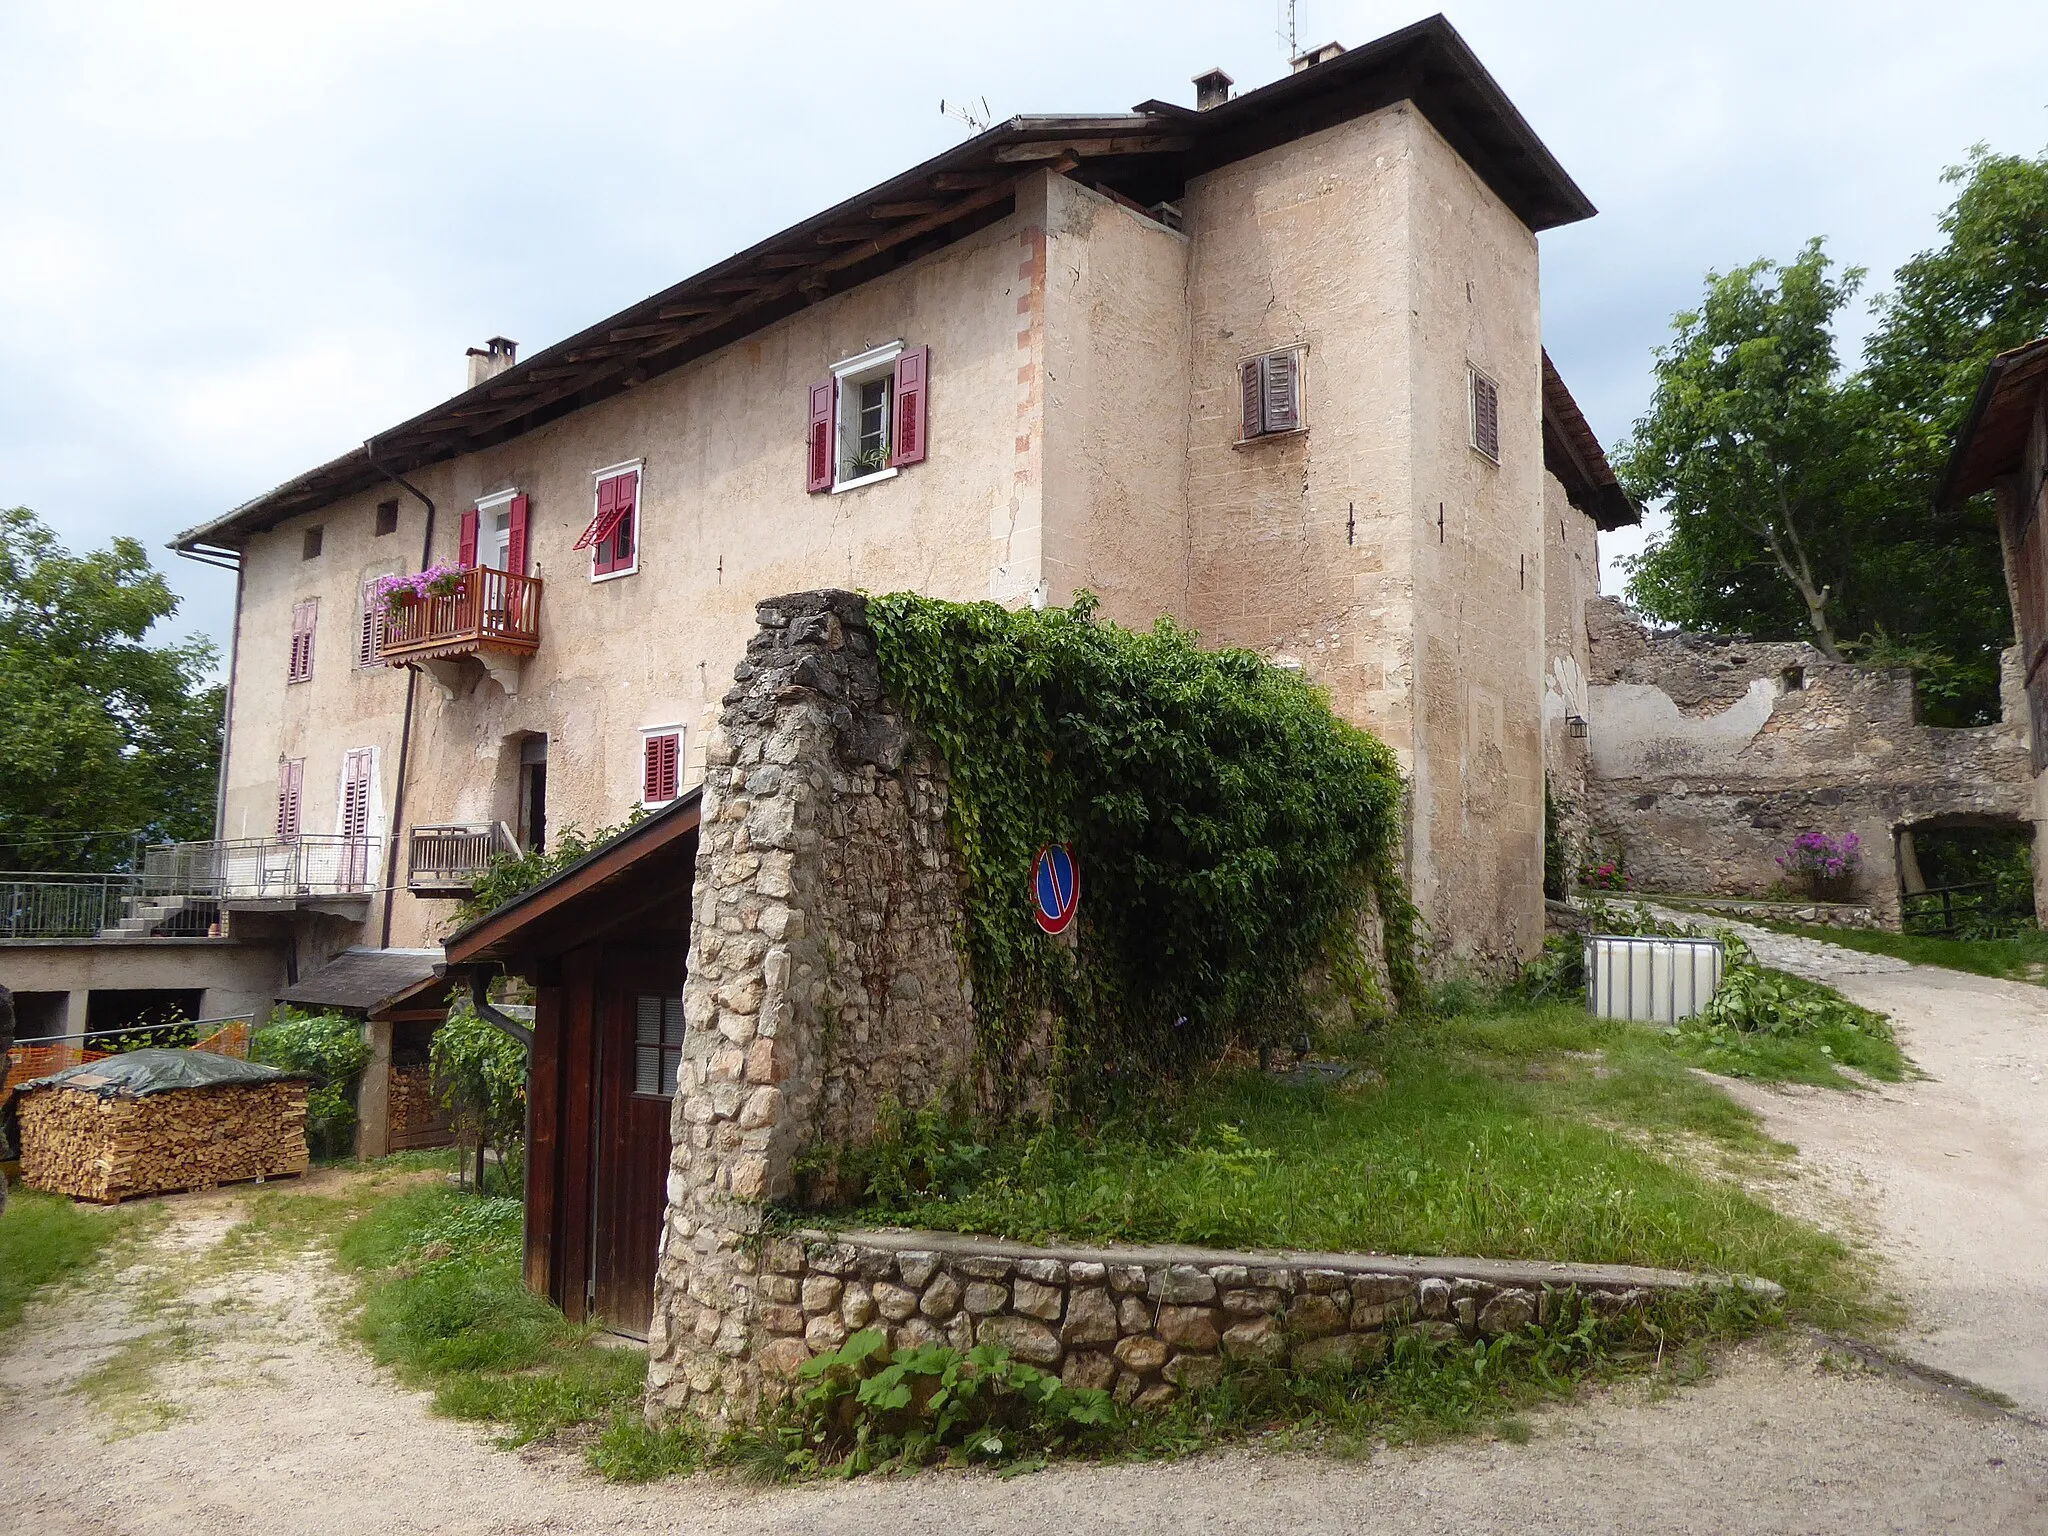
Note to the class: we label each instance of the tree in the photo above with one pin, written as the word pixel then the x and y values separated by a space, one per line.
pixel 1915 587
pixel 102 736
pixel 1754 443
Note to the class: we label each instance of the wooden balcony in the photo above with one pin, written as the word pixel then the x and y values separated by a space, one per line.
pixel 446 860
pixel 492 615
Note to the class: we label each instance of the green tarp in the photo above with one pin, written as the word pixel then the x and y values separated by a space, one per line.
pixel 137 1074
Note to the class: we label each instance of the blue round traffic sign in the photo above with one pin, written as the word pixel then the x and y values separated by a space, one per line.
pixel 1055 888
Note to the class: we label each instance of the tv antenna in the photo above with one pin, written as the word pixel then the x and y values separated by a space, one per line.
pixel 975 114
pixel 1284 30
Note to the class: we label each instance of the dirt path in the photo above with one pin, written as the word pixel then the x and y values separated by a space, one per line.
pixel 1948 1174
pixel 222 1401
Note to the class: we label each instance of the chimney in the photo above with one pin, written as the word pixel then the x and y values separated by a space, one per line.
pixel 1212 89
pixel 1316 56
pixel 491 359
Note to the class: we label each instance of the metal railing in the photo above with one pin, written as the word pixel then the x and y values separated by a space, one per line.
pixel 488 607
pixel 451 856
pixel 263 868
pixel 1977 905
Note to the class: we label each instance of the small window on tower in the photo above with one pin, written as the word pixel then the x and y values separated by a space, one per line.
pixel 1269 387
pixel 1485 415
pixel 311 548
pixel 387 518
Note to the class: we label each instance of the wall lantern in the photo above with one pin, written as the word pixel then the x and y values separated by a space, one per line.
pixel 1576 724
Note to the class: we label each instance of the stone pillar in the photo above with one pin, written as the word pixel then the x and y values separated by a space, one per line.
pixel 373 1094
pixel 77 1005
pixel 822 975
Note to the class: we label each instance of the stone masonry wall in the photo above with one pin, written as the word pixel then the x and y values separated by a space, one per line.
pixel 823 978
pixel 1710 754
pixel 1149 1323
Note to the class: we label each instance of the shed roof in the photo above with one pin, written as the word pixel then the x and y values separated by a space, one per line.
pixel 1994 435
pixel 1155 144
pixel 361 978
pixel 1573 454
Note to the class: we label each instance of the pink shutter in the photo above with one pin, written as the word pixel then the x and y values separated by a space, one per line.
pixel 304 617
pixel 824 395
pixel 1253 397
pixel 372 634
pixel 912 370
pixel 466 550
pixel 650 770
pixel 616 538
pixel 290 776
pixel 355 793
pixel 1283 392
pixel 515 554
pixel 671 747
pixel 607 515
pixel 660 774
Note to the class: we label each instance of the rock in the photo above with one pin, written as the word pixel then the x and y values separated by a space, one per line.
pixel 1086 1272
pixel 1181 1284
pixel 1125 1278
pixel 857 1306
pixel 1312 1316
pixel 783 1358
pixel 778 1317
pixel 1188 1327
pixel 941 1298
pixel 1134 1315
pixel 915 1334
pixel 1089 1370
pixel 1366 1315
pixel 1228 1276
pixel 1035 1300
pixel 915 1267
pixel 821 1293
pixel 1025 1337
pixel 783 1288
pixel 1256 1339
pixel 985 1267
pixel 983 1298
pixel 783 1255
pixel 1128 1387
pixel 1140 1355
pixel 1433 1297
pixel 833 1258
pixel 1191 1373
pixel 1509 1312
pixel 825 1332
pixel 1322 1281
pixel 1327 1356
pixel 1273 1278
pixel 1250 1303
pixel 1466 1309
pixel 1154 1397
pixel 1044 1271
pixel 894 1301
pixel 1378 1290
pixel 1091 1318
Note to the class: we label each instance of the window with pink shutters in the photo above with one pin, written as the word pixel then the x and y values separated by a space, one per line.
pixel 355 793
pixel 661 768
pixel 305 616
pixel 613 535
pixel 370 631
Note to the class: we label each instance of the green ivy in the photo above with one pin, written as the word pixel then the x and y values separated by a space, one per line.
pixel 1230 831
pixel 331 1046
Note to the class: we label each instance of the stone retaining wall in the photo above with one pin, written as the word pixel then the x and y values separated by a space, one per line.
pixel 1148 1323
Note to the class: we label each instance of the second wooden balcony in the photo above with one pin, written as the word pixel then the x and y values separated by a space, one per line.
pixel 491 616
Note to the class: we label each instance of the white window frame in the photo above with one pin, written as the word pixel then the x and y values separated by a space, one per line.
pixel 1473 374
pixel 363 602
pixel 847 376
pixel 597 478
pixel 682 736
pixel 500 501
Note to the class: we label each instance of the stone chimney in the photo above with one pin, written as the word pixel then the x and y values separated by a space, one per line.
pixel 1212 89
pixel 491 359
pixel 1316 56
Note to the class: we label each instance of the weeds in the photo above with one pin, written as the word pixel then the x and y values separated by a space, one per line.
pixel 44 1238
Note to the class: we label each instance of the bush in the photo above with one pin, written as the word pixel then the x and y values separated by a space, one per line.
pixel 332 1048
pixel 480 1074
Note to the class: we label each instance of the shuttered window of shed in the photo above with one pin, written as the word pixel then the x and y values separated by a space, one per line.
pixel 1485 415
pixel 657 1044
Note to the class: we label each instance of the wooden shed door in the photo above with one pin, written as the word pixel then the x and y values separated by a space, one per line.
pixel 639 1049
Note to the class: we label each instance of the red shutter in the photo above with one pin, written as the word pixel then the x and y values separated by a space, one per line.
pixel 615 539
pixel 466 552
pixel 660 771
pixel 912 370
pixel 1253 396
pixel 515 554
pixel 671 765
pixel 1283 391
pixel 824 395
pixel 290 774
pixel 607 514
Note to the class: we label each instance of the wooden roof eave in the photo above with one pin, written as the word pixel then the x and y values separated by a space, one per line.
pixel 1994 432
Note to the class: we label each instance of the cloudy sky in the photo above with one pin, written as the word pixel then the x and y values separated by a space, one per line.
pixel 236 239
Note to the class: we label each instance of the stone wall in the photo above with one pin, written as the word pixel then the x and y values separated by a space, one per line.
pixel 1148 1323
pixel 823 977
pixel 1710 754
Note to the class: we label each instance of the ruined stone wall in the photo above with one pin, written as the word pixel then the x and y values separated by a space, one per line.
pixel 823 978
pixel 1571 579
pixel 1710 754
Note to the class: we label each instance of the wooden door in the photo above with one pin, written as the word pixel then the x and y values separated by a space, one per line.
pixel 640 1041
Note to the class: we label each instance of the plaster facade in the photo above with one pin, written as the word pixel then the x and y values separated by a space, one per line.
pixel 1571 580
pixel 1083 426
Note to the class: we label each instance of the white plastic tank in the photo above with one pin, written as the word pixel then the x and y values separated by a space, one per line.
pixel 1651 980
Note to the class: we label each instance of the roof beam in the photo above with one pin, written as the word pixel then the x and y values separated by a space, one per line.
pixel 1127 144
pixel 914 209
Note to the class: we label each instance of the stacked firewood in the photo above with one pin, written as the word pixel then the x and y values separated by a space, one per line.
pixel 415 1119
pixel 75 1142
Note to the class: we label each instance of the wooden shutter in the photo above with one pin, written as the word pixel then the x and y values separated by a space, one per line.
pixel 913 368
pixel 371 635
pixel 355 793
pixel 305 617
pixel 291 772
pixel 515 550
pixel 661 768
pixel 466 550
pixel 1485 415
pixel 1252 396
pixel 616 539
pixel 607 518
pixel 1282 391
pixel 824 395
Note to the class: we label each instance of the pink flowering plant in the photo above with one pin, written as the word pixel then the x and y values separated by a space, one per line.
pixel 1823 857
pixel 396 592
pixel 1606 875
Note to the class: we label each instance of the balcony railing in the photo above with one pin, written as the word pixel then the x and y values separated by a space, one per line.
pixel 488 610
pixel 447 860
pixel 265 868
pixel 41 904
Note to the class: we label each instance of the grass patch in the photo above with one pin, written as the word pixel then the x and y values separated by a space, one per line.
pixel 1537 1133
pixel 2022 958
pixel 43 1238
pixel 445 1306
pixel 124 1385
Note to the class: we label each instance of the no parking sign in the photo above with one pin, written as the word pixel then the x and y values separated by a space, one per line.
pixel 1055 888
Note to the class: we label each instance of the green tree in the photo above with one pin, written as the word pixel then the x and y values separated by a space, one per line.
pixel 99 731
pixel 1914 586
pixel 1754 443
